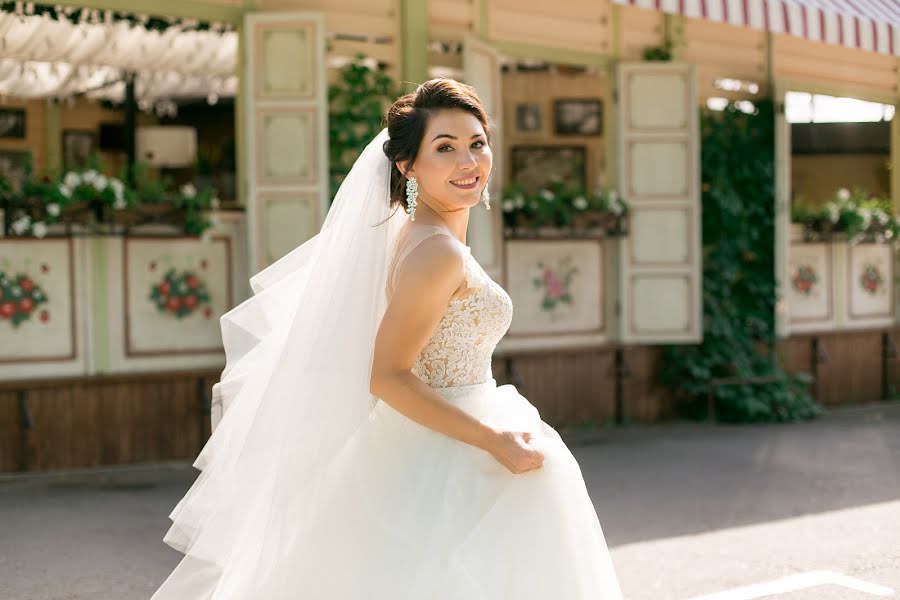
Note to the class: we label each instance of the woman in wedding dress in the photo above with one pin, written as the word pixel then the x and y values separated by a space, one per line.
pixel 364 450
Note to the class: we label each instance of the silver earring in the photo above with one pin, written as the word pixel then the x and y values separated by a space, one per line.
pixel 485 195
pixel 412 192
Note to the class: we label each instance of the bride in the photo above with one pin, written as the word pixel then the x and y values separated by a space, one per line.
pixel 364 450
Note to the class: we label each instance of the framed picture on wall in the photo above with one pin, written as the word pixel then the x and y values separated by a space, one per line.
pixel 528 117
pixel 13 164
pixel 557 286
pixel 12 123
pixel 578 116
pixel 78 145
pixel 534 166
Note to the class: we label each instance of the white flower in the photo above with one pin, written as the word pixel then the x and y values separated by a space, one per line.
pixel 615 207
pixel 613 196
pixel 65 191
pixel 16 291
pixel 188 190
pixel 547 195
pixel 508 206
pixel 843 194
pixel 100 182
pixel 20 225
pixel 53 209
pixel 866 215
pixel 120 203
pixel 580 202
pixel 520 201
pixel 117 186
pixel 881 216
pixel 834 213
pixel 39 229
pixel 72 180
pixel 89 176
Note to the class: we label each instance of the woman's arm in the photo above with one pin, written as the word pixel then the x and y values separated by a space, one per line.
pixel 428 278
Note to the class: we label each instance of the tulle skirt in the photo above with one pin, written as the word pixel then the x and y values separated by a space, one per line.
pixel 409 513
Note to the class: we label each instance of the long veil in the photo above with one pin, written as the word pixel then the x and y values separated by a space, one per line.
pixel 294 390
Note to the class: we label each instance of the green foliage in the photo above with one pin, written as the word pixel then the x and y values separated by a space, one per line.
pixel 739 291
pixel 357 103
pixel 661 53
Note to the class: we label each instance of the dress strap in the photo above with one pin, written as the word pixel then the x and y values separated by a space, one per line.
pixel 407 241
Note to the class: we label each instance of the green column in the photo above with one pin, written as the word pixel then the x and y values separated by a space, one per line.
pixel 895 159
pixel 414 42
pixel 53 141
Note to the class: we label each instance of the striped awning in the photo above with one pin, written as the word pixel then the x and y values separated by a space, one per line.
pixel 866 24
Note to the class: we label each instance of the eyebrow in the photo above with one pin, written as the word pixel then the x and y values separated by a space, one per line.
pixel 452 137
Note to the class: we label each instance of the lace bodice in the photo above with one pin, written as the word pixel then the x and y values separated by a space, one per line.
pixel 459 352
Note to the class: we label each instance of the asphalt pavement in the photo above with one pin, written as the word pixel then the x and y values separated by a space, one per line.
pixel 719 512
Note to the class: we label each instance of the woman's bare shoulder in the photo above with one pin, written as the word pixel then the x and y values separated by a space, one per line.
pixel 437 254
pixel 428 259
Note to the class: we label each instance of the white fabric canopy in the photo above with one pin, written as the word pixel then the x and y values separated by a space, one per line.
pixel 44 57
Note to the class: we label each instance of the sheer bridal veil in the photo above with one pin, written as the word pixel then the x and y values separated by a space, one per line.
pixel 294 390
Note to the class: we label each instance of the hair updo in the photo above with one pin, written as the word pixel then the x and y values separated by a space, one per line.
pixel 407 119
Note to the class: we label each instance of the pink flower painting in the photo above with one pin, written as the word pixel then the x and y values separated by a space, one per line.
pixel 555 283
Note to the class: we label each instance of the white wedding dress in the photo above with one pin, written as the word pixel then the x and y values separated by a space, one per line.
pixel 415 515
pixel 311 488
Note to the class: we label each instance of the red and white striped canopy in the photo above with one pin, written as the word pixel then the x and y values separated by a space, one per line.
pixel 867 24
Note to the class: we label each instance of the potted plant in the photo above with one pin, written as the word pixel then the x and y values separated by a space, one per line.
pixel 91 198
pixel 562 209
pixel 852 214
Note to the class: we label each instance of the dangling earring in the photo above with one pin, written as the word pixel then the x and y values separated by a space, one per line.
pixel 485 195
pixel 412 192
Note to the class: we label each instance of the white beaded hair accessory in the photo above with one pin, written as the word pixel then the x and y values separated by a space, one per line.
pixel 412 192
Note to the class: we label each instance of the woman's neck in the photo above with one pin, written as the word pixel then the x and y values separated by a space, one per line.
pixel 455 222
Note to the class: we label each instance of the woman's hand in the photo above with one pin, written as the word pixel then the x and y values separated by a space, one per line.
pixel 511 449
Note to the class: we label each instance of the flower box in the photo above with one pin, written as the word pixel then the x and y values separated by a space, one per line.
pixel 851 216
pixel 563 211
pixel 89 201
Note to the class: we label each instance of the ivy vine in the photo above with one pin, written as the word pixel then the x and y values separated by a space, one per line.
pixel 739 288
pixel 357 102
pixel 661 53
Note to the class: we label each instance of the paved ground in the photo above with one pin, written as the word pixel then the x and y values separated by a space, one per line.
pixel 802 512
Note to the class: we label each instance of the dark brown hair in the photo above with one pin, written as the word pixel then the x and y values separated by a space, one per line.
pixel 407 119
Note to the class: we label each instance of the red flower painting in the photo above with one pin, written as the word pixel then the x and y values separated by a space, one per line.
pixel 19 297
pixel 180 294
pixel 804 279
pixel 871 279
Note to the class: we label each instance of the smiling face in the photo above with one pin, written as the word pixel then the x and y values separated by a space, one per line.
pixel 453 162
